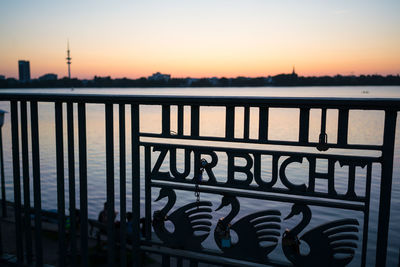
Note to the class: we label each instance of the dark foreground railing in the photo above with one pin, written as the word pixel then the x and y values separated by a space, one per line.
pixel 242 240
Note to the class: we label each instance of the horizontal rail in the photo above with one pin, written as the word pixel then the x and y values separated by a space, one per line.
pixel 266 142
pixel 312 102
pixel 262 195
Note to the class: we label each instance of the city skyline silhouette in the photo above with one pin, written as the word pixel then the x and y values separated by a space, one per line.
pixel 207 39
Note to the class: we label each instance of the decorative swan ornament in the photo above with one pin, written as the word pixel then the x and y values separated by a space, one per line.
pixel 257 233
pixel 331 244
pixel 191 222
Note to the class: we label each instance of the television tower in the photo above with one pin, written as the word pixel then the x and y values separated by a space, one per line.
pixel 68 61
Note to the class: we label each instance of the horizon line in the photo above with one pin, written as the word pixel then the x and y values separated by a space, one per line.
pixel 210 77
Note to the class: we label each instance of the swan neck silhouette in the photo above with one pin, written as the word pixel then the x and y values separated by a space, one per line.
pixel 325 241
pixel 235 206
pixel 171 202
pixel 304 221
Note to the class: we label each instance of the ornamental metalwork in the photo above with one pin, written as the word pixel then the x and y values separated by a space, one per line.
pixel 178 162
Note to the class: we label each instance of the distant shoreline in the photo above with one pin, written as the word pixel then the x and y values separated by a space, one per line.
pixel 281 80
pixel 191 87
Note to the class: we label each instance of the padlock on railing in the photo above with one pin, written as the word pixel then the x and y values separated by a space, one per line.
pixel 323 142
pixel 323 137
pixel 223 233
pixel 203 164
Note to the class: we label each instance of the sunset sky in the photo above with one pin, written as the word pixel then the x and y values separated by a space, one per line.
pixel 201 38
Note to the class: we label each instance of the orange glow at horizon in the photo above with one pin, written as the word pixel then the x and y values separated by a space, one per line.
pixel 196 40
pixel 211 63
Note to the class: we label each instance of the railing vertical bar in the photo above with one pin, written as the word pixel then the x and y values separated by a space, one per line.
pixel 366 216
pixel 110 183
pixel 1 238
pixel 3 191
pixel 194 120
pixel 194 263
pixel 135 184
pixel 83 183
pixel 180 119
pixel 304 125
pixel 71 180
pixel 263 124
pixel 122 185
pixel 179 262
pixel 60 183
pixel 25 175
pixel 166 120
pixel 323 121
pixel 343 126
pixel 246 127
pixel 165 261
pixel 36 183
pixel 147 191
pixel 3 184
pixel 16 181
pixel 386 186
pixel 230 122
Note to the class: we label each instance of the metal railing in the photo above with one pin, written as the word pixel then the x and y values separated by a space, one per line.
pixel 258 233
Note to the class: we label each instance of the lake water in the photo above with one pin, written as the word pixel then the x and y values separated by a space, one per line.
pixel 365 127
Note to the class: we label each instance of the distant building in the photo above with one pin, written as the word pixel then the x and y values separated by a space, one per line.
pixel 213 81
pixel 159 77
pixel 68 61
pixel 285 79
pixel 12 81
pixel 294 74
pixel 24 71
pixel 48 77
pixel 2 77
pixel 189 81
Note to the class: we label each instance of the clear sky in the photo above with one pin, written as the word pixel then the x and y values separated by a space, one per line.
pixel 204 38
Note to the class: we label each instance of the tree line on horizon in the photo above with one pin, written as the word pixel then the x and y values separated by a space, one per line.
pixel 278 80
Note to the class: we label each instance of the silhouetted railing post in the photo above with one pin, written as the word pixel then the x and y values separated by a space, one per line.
pixel 3 189
pixel 122 182
pixel 60 183
pixel 71 180
pixel 386 186
pixel 16 181
pixel 25 171
pixel 3 184
pixel 83 183
pixel 110 183
pixel 135 184
pixel 36 183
